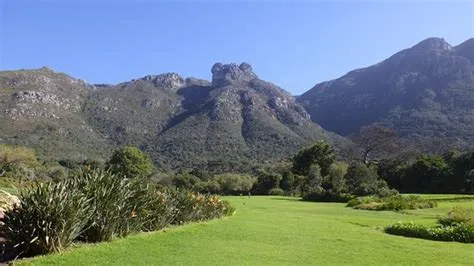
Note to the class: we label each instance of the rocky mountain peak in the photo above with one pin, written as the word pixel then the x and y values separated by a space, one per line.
pixel 433 43
pixel 171 81
pixel 226 74
pixel 46 69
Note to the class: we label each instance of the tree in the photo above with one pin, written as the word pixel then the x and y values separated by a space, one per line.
pixel 428 175
pixel 234 183
pixel 185 180
pixel 266 181
pixel 336 180
pixel 320 154
pixel 130 162
pixel 375 142
pixel 362 180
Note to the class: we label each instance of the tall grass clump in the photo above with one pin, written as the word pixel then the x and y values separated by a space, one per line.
pixel 48 218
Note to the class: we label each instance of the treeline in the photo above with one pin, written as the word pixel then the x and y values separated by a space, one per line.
pixel 452 172
pixel 378 163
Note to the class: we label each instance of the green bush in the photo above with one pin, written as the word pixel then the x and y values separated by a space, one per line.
pixel 130 162
pixel 393 203
pixel 159 210
pixel 234 184
pixel 116 202
pixel 192 206
pixel 461 233
pixel 277 192
pixel 96 205
pixel 48 218
pixel 326 196
pixel 458 216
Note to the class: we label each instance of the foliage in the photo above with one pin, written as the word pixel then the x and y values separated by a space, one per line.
pixel 234 184
pixel 192 206
pixel 48 219
pixel 460 233
pixel 130 162
pixel 185 181
pixel 97 205
pixel 375 142
pixel 427 174
pixel 320 154
pixel 336 177
pixel 266 181
pixel 116 202
pixel 10 155
pixel 288 181
pixel 457 216
pixel 453 172
pixel 393 203
pixel 280 230
pixel 320 195
pixel 276 192
pixel 362 180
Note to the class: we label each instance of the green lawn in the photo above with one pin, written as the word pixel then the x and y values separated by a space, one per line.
pixel 279 230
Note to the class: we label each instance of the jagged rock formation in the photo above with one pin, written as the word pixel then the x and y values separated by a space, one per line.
pixel 233 121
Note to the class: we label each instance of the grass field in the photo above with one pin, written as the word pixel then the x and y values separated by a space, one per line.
pixel 279 230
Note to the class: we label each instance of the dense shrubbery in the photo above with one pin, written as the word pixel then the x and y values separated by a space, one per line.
pixel 48 218
pixel 457 226
pixel 393 203
pixel 451 173
pixel 98 206
pixel 460 233
pixel 458 215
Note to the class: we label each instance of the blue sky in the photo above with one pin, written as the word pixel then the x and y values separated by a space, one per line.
pixel 294 45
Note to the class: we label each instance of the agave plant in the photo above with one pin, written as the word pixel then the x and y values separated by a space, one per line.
pixel 48 218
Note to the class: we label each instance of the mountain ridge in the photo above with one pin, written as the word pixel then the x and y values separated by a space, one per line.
pixel 234 119
pixel 423 83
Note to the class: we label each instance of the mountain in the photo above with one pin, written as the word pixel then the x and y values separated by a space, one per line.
pixel 426 91
pixel 42 109
pixel 233 121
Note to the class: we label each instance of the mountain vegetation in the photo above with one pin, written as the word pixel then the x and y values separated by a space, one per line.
pixel 425 93
pixel 231 123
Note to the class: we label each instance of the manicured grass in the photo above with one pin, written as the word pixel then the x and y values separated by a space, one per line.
pixel 279 230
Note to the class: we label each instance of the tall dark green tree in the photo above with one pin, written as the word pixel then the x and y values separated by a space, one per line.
pixel 130 162
pixel 320 154
pixel 428 174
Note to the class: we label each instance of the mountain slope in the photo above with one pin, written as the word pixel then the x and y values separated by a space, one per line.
pixel 232 122
pixel 422 92
pixel 42 109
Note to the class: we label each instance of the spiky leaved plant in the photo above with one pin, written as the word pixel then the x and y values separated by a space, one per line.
pixel 49 217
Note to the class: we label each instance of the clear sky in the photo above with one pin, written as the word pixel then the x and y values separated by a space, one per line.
pixel 294 45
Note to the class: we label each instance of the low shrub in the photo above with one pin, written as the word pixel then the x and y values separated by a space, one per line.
pixel 115 201
pixel 461 233
pixel 326 196
pixel 48 218
pixel 96 206
pixel 458 216
pixel 277 192
pixel 192 206
pixel 393 203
